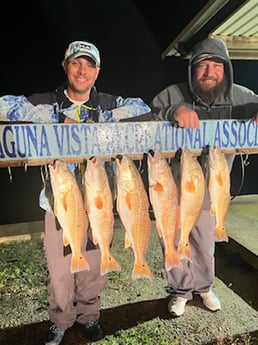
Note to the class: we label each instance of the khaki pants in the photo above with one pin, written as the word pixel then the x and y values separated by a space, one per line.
pixel 71 297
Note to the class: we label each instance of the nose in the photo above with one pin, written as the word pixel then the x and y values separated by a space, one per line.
pixel 82 68
pixel 207 70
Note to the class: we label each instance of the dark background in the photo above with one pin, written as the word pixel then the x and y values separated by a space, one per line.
pixel 130 35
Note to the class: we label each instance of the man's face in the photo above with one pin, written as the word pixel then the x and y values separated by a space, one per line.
pixel 208 74
pixel 81 74
pixel 209 80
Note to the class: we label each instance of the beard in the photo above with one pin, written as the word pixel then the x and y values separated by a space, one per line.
pixel 210 95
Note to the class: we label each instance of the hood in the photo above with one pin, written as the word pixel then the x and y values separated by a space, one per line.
pixel 211 48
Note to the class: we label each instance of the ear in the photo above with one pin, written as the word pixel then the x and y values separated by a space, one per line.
pixel 97 74
pixel 64 65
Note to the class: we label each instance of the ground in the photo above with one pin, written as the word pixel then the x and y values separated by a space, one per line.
pixel 133 311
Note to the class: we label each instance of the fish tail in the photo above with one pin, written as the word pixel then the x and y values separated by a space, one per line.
pixel 221 234
pixel 173 260
pixel 184 251
pixel 109 264
pixel 141 270
pixel 79 263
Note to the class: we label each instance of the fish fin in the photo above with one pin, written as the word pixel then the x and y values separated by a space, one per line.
pixel 64 203
pixel 79 263
pixel 173 260
pixel 127 241
pixel 210 184
pixel 178 220
pixel 159 231
pixel 109 264
pixel 219 180
pixel 128 201
pixel 190 187
pixel 141 270
pixel 98 202
pixel 221 234
pixel 212 211
pixel 65 241
pixel 158 187
pixel 94 240
pixel 87 207
pixel 184 251
pixel 55 207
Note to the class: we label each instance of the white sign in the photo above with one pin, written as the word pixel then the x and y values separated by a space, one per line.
pixel 36 144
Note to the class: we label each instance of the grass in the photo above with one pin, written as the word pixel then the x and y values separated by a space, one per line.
pixel 20 273
pixel 141 334
pixel 23 275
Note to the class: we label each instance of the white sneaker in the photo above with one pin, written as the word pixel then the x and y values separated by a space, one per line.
pixel 210 300
pixel 176 305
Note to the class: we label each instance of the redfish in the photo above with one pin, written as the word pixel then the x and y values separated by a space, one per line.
pixel 69 210
pixel 163 194
pixel 219 188
pixel 192 190
pixel 98 203
pixel 133 209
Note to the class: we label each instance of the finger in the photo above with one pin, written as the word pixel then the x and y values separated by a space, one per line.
pixel 174 123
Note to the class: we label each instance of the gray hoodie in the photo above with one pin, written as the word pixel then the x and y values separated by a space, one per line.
pixel 238 102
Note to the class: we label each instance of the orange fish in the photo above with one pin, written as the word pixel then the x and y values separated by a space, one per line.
pixel 133 209
pixel 219 188
pixel 69 210
pixel 164 200
pixel 98 202
pixel 192 190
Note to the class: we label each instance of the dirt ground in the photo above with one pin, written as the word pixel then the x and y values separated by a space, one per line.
pixel 127 303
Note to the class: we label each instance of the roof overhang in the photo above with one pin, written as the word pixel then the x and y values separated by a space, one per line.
pixel 236 22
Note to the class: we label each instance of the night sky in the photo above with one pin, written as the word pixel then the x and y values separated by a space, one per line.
pixel 130 44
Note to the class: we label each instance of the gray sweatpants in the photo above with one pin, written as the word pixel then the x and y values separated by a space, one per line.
pixel 71 297
pixel 197 276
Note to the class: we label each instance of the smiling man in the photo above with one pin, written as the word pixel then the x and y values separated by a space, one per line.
pixel 209 93
pixel 73 296
pixel 209 79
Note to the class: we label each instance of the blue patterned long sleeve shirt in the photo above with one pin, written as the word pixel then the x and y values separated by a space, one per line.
pixel 19 108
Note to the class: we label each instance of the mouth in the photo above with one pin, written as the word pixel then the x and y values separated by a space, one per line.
pixel 209 80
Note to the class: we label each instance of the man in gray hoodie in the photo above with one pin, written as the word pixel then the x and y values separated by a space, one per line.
pixel 210 93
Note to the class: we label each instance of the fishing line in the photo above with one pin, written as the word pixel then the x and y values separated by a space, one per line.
pixel 10 174
pixel 244 163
